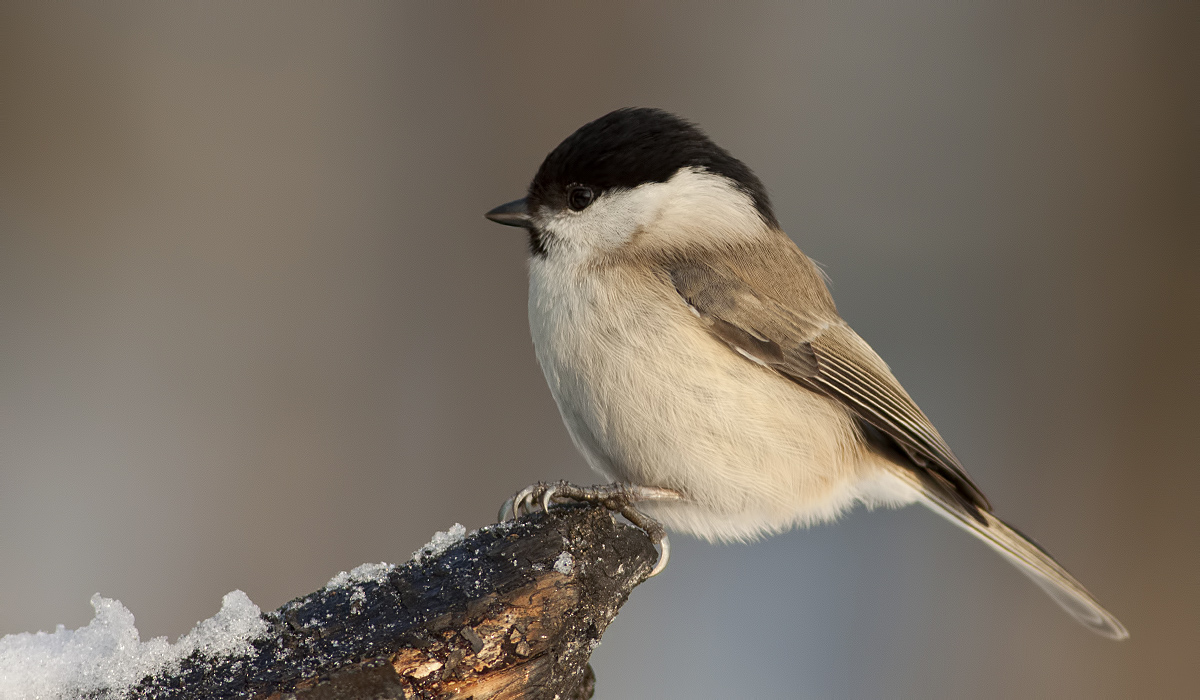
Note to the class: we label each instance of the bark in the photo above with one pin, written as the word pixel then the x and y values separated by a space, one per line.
pixel 502 614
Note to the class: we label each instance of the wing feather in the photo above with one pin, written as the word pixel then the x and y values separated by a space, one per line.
pixel 762 313
pixel 819 351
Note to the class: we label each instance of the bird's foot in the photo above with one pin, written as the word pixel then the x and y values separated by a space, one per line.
pixel 619 498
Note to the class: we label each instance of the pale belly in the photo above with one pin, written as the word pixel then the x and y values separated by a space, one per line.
pixel 650 397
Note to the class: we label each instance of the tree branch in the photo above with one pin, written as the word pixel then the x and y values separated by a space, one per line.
pixel 512 611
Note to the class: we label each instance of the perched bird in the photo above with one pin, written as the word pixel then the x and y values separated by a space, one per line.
pixel 697 357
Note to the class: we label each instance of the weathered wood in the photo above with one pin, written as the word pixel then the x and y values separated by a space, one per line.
pixel 502 614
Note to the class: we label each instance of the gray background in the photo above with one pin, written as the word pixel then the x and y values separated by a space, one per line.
pixel 254 329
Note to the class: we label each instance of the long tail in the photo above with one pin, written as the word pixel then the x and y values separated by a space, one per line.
pixel 1030 559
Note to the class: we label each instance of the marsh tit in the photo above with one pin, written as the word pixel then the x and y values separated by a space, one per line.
pixel 698 360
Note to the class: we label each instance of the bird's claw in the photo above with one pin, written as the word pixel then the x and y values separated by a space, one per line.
pixel 522 501
pixel 615 497
pixel 663 557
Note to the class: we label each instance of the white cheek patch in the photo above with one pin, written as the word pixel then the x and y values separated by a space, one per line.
pixel 610 222
pixel 693 206
pixel 700 207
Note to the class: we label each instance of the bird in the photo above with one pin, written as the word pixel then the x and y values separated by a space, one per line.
pixel 699 362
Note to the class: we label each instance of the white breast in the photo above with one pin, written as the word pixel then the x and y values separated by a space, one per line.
pixel 651 398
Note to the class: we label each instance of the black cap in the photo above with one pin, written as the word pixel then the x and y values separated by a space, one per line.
pixel 634 146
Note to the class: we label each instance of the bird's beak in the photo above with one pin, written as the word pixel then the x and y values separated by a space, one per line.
pixel 515 213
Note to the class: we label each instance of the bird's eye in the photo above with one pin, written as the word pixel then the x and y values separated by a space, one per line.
pixel 580 198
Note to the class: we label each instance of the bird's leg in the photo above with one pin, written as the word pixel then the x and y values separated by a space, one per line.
pixel 615 497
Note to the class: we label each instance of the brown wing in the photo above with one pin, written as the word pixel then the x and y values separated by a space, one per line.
pixel 820 352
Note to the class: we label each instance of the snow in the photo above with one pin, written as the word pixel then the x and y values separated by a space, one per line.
pixel 107 657
pixel 228 633
pixel 440 543
pixel 565 563
pixel 366 573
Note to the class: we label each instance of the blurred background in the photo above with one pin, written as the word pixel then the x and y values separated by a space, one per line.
pixel 254 329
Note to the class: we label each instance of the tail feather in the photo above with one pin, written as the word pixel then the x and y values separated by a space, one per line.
pixel 1031 560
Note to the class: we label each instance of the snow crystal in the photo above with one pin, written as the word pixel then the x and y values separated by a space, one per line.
pixel 107 657
pixel 228 633
pixel 366 573
pixel 440 543
pixel 565 563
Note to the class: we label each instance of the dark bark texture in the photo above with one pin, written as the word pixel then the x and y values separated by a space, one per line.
pixel 502 614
